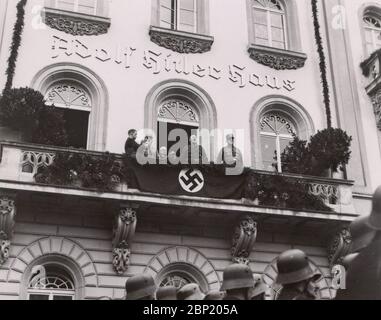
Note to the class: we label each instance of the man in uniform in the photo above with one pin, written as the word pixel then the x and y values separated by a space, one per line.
pixel 364 270
pixel 237 282
pixel 296 276
pixel 258 292
pixel 140 287
pixel 131 146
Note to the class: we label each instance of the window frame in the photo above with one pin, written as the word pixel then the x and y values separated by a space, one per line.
pixel 175 22
pixel 268 12
pixel 373 30
pixel 101 9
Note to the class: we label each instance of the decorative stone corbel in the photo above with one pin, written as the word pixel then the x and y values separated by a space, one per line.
pixel 7 222
pixel 339 247
pixel 245 235
pixel 124 231
pixel 376 101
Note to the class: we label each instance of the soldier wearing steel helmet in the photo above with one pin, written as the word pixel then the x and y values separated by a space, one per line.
pixel 296 276
pixel 190 291
pixel 364 267
pixel 258 292
pixel 214 295
pixel 166 293
pixel 237 282
pixel 140 287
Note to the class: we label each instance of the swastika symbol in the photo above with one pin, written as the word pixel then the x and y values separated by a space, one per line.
pixel 191 180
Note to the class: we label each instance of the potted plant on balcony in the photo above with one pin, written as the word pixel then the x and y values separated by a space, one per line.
pixel 330 149
pixel 23 110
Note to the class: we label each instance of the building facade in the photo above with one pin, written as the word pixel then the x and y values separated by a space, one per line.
pixel 251 67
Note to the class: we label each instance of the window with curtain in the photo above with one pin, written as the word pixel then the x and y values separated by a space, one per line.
pixel 276 132
pixel 179 15
pixel 269 19
pixel 372 26
pixel 50 282
pixel 81 6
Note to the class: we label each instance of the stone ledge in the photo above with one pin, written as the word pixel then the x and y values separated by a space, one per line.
pixel 180 41
pixel 277 59
pixel 76 24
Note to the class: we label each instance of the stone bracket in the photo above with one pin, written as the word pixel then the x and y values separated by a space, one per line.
pixel 76 24
pixel 179 41
pixel 339 247
pixel 7 223
pixel 244 237
pixel 277 59
pixel 124 231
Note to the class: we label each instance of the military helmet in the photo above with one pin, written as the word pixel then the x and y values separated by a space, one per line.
pixel 293 266
pixel 166 293
pixel 190 291
pixel 374 220
pixel 259 287
pixel 214 295
pixel 140 286
pixel 237 276
pixel 362 234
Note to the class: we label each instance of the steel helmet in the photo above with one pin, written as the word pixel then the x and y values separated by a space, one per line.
pixel 293 266
pixel 237 276
pixel 190 292
pixel 259 288
pixel 166 293
pixel 362 234
pixel 214 295
pixel 374 220
pixel 140 286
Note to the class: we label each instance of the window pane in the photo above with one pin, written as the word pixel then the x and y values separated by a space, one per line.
pixel 260 17
pixel 261 31
pixel 65 5
pixel 188 5
pixel 268 146
pixel 277 34
pixel 276 20
pixel 38 297
pixel 262 42
pixel 187 18
pixel 86 6
pixel 166 16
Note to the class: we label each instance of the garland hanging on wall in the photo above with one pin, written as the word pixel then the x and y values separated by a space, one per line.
pixel 16 42
pixel 322 62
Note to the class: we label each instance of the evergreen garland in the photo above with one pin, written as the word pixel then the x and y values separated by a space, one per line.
pixel 16 42
pixel 322 62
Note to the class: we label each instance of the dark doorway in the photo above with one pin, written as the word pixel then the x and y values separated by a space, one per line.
pixel 167 127
pixel 77 125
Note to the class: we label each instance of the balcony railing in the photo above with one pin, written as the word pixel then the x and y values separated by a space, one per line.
pixel 20 162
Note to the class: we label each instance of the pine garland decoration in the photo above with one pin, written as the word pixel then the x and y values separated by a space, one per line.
pixel 322 62
pixel 16 42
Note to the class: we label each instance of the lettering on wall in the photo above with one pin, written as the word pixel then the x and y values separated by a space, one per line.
pixel 157 62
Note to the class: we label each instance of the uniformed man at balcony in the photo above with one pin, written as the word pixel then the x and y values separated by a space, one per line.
pixel 131 146
pixel 296 276
pixel 230 155
pixel 166 293
pixel 364 271
pixel 191 292
pixel 140 287
pixel 193 153
pixel 237 282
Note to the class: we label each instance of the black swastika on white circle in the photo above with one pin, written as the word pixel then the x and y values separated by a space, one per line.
pixel 191 180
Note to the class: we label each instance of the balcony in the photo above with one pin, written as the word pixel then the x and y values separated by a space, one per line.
pixel 20 162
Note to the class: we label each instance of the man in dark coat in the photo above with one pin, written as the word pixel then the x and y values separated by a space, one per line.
pixel 131 146
pixel 363 279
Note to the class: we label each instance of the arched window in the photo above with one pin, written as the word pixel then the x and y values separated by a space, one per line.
pixel 372 27
pixel 276 132
pixel 269 19
pixel 176 280
pixel 76 103
pixel 50 282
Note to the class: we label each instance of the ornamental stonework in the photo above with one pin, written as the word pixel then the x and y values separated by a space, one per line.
pixel 181 42
pixel 244 238
pixel 76 26
pixel 277 60
pixel 376 100
pixel 339 247
pixel 124 231
pixel 7 222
